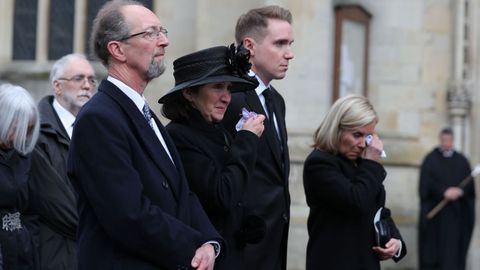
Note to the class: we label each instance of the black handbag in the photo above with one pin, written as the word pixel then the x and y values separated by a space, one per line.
pixel 382 232
pixel 382 227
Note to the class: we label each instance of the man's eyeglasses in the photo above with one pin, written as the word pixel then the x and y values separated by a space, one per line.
pixel 151 34
pixel 80 79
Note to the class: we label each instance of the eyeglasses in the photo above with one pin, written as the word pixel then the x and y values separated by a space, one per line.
pixel 80 79
pixel 152 34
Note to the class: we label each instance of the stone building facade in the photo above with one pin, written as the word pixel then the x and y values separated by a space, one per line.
pixel 423 73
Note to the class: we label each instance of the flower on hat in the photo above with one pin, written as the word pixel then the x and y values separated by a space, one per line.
pixel 239 60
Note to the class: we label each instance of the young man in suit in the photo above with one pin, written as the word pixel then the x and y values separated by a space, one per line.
pixel 135 207
pixel 53 198
pixel 267 33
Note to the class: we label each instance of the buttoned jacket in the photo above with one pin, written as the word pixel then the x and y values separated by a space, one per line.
pixel 136 210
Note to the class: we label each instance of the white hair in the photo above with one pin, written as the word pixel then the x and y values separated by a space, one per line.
pixel 19 117
pixel 58 68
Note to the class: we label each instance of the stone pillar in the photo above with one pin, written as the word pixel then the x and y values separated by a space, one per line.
pixel 459 104
pixel 459 93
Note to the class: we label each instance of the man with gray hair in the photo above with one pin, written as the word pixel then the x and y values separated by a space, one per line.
pixel 136 210
pixel 73 81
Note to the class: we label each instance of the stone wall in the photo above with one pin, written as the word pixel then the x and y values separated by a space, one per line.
pixel 410 65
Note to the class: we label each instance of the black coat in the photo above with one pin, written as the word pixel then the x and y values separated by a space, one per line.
pixel 343 199
pixel 267 196
pixel 17 240
pixel 444 240
pixel 219 171
pixel 136 210
pixel 52 194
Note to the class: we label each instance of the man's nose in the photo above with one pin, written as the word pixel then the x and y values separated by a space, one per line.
pixel 163 40
pixel 87 85
pixel 289 53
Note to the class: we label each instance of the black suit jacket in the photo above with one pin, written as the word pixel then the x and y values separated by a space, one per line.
pixel 135 207
pixel 343 199
pixel 267 195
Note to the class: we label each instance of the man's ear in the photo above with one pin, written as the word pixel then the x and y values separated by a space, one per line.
pixel 249 43
pixel 116 50
pixel 57 87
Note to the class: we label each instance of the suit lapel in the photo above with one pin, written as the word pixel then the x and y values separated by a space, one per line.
pixel 50 121
pixel 173 153
pixel 254 103
pixel 146 135
pixel 281 123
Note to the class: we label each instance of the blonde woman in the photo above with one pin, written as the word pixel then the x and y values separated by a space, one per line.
pixel 343 186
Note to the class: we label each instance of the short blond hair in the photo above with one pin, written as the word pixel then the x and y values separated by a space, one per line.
pixel 348 112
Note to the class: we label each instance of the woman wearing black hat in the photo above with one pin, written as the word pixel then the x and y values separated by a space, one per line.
pixel 218 167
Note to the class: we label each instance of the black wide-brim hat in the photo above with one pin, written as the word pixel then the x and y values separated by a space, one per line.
pixel 212 65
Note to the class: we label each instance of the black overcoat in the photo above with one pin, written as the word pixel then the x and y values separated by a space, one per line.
pixel 444 240
pixel 52 194
pixel 219 170
pixel 17 239
pixel 267 196
pixel 136 210
pixel 343 198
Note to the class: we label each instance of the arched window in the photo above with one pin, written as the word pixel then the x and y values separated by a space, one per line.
pixel 60 34
pixel 48 29
pixel 25 30
pixel 351 51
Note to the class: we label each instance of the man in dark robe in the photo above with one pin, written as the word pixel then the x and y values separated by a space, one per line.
pixel 444 239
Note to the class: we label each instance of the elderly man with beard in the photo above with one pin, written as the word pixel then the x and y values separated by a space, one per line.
pixel 53 199
pixel 136 210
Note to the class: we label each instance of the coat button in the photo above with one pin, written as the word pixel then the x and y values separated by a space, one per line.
pixel 165 184
pixel 225 148
pixel 285 217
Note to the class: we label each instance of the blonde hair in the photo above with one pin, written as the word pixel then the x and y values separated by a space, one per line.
pixel 346 113
pixel 20 118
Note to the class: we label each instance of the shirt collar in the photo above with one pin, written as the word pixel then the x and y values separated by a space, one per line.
pixel 66 117
pixel 446 154
pixel 138 99
pixel 261 86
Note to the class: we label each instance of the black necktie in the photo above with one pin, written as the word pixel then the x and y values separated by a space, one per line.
pixel 267 94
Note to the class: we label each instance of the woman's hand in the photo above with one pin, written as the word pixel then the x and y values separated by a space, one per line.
pixel 255 124
pixel 390 250
pixel 373 150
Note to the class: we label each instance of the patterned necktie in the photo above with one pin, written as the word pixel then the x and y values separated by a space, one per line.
pixel 147 114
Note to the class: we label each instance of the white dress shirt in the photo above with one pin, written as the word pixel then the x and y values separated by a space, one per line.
pixel 66 117
pixel 259 90
pixel 139 101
